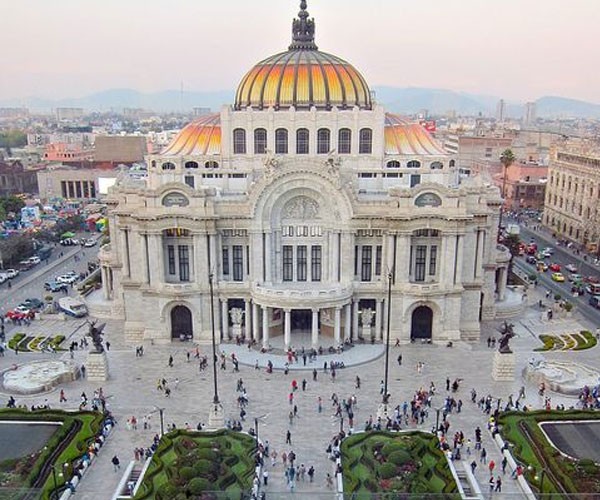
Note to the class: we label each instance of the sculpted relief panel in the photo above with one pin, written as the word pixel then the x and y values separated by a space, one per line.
pixel 301 207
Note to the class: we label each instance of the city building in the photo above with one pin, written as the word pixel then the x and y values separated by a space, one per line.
pixel 530 113
pixel 113 150
pixel 15 179
pixel 294 209
pixel 572 206
pixel 501 110
pixel 68 114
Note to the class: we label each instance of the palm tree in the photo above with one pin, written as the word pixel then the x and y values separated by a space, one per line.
pixel 507 158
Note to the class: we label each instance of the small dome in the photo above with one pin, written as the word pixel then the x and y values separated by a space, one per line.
pixel 405 138
pixel 303 77
pixel 200 137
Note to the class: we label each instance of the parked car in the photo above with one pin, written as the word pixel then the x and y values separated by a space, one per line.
pixel 595 301
pixel 559 277
pixel 22 309
pixel 572 268
pixel 11 273
pixel 33 303
pixel 542 266
pixel 591 279
pixel 90 242
pixel 554 267
pixel 53 286
pixel 69 242
pixel 15 315
pixel 531 260
pixel 25 265
pixel 35 260
pixel 575 278
pixel 548 250
pixel 3 278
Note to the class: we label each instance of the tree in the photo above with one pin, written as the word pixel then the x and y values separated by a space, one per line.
pixel 16 248
pixel 507 158
pixel 13 139
pixel 512 242
pixel 12 204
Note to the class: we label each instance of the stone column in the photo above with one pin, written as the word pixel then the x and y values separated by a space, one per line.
pixel 287 328
pixel 315 329
pixel 502 284
pixel 247 320
pixel 355 319
pixel 336 257
pixel 459 258
pixel 255 332
pixel 268 254
pixel 161 258
pixel 378 317
pixel 200 266
pixel 105 284
pixel 214 258
pixel 155 251
pixel 402 258
pixel 265 326
pixel 224 319
pixel 337 323
pixel 347 320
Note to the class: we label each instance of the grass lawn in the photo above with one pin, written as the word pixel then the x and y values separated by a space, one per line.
pixel 395 463
pixel 532 449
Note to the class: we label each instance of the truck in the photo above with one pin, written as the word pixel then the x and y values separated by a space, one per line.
pixel 72 307
pixel 513 229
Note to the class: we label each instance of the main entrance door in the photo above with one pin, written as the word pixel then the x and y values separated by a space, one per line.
pixel 422 319
pixel 181 323
pixel 301 320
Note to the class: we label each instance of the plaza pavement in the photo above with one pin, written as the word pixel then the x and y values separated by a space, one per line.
pixel 131 390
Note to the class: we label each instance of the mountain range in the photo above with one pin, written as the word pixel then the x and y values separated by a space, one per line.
pixel 401 100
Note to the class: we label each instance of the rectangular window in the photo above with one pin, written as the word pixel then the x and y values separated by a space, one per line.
pixel 225 261
pixel 171 258
pixel 415 180
pixel 238 263
pixel 420 261
pixel 189 180
pixel 356 249
pixel 288 263
pixel 184 262
pixel 301 258
pixel 367 258
pixel 432 260
pixel 302 137
pixel 315 263
pixel 378 251
pixel 344 141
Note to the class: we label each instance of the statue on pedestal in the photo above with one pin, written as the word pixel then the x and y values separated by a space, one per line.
pixel 367 316
pixel 96 335
pixel 507 332
pixel 236 315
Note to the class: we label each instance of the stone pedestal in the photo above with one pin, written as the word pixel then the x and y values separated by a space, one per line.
pixel 366 332
pixel 237 331
pixel 216 417
pixel 96 367
pixel 504 366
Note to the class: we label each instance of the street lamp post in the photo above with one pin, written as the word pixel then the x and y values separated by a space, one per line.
pixel 214 347
pixel 387 338
pixel 341 425
pixel 162 421
pixel 256 430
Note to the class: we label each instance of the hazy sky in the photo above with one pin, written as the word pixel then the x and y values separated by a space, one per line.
pixel 516 49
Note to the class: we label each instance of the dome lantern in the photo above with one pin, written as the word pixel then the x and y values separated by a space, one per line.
pixel 303 31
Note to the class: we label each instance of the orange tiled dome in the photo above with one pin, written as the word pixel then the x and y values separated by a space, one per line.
pixel 200 137
pixel 405 138
pixel 303 77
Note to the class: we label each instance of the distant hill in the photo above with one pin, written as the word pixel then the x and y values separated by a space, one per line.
pixel 400 100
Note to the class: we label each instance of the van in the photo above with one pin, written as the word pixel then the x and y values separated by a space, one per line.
pixel 72 307
pixel 593 288
pixel 595 301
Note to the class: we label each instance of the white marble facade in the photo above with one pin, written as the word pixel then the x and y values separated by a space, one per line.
pixel 302 240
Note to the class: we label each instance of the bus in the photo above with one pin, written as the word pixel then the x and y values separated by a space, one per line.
pixel 44 252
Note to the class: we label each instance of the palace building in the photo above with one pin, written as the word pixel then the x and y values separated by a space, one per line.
pixel 303 206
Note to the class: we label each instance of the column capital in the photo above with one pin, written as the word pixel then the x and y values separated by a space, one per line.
pixel 315 309
pixel 287 310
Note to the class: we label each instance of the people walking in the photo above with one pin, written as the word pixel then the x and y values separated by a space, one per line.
pixel 288 437
pixel 116 463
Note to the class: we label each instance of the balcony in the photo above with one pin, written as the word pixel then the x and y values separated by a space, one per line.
pixel 302 296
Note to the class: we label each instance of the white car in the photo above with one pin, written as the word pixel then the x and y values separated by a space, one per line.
pixel 89 242
pixel 67 279
pixel 12 273
pixel 22 309
pixel 35 260
pixel 572 268
pixel 3 278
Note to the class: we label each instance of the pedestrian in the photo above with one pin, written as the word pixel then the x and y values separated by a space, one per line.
pixel 265 477
pixel 399 359
pixel 288 437
pixel 357 385
pixel 319 405
pixel 483 456
pixel 116 463
pixel 171 361
pixel 381 387
pixel 63 398
pixel 304 384
pixel 504 463
pixel 311 474
pixel 499 484
pixel 314 374
pixel 473 466
pixel 492 483
pixel 491 466
pixel 107 345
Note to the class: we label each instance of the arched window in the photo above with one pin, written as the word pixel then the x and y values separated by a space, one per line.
pixel 323 141
pixel 239 141
pixel 191 164
pixel 281 141
pixel 393 164
pixel 436 165
pixel 452 163
pixel 344 141
pixel 168 166
pixel 365 143
pixel 260 141
pixel 302 141
pixel 211 164
pixel 413 164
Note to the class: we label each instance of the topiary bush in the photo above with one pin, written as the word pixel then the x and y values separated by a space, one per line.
pixel 198 485
pixel 386 470
pixel 399 457
pixel 187 473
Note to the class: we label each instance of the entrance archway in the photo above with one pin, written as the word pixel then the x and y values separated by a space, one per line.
pixel 181 323
pixel 301 320
pixel 421 324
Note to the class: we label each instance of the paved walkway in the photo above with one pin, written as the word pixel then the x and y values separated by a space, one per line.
pixel 132 391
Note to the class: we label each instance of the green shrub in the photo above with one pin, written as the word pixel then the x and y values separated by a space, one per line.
pixel 187 473
pixel 198 485
pixel 390 448
pixel 386 470
pixel 399 457
pixel 206 453
pixel 167 491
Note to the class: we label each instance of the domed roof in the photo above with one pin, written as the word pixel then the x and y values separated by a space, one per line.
pixel 200 137
pixel 405 138
pixel 303 76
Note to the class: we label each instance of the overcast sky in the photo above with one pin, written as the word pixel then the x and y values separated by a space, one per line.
pixel 516 49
